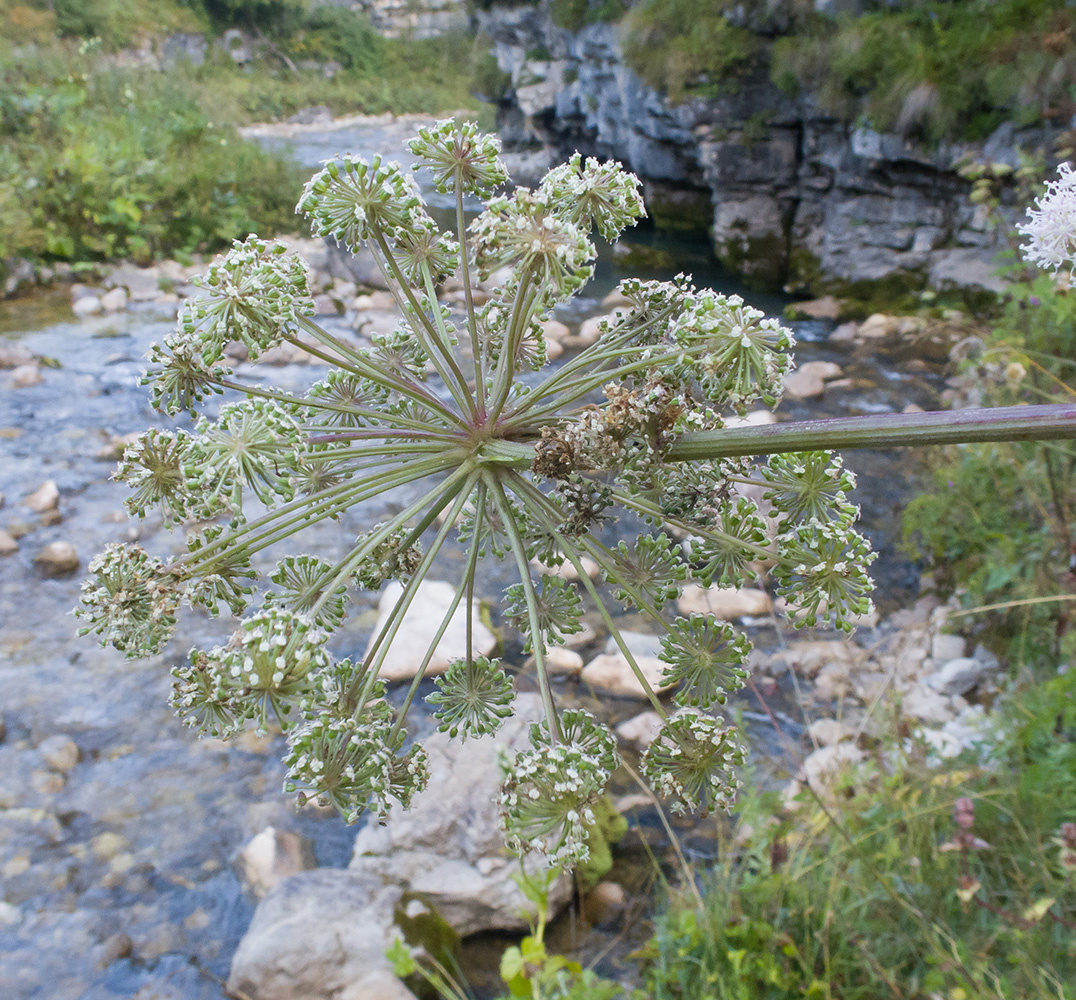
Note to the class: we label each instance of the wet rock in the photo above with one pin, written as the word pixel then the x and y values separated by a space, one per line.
pixel 325 305
pixel 561 660
pixel 756 418
pixel 45 497
pixel 114 300
pixel 14 356
pixel 447 847
pixel 57 559
pixel 379 300
pixel 113 449
pixel 8 545
pixel 926 706
pixel 611 672
pixel 497 280
pixel 939 743
pixel 10 915
pixel 826 307
pixel 640 730
pixel 958 676
pixel 26 376
pixel 566 571
pixel 616 299
pixel 604 904
pixel 845 333
pixel 833 681
pixel 116 947
pixel 271 856
pixel 810 656
pixel 829 732
pixel 419 626
pixel 724 602
pixel 60 752
pixel 320 934
pixel 591 330
pixel 143 284
pixel 553 349
pixel 878 326
pixel 823 768
pixel 555 330
pixel 871 685
pixel 87 305
pixel 108 846
pixel 808 381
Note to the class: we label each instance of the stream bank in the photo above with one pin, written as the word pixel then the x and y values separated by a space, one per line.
pixel 122 836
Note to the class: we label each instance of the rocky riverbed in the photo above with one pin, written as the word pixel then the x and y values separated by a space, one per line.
pixel 133 856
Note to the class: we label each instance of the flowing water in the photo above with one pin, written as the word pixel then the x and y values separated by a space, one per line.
pixel 115 871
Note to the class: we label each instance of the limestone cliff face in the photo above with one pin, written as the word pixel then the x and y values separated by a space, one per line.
pixel 791 195
pixel 414 18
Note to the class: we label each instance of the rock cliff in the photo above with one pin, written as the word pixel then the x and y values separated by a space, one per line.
pixel 791 196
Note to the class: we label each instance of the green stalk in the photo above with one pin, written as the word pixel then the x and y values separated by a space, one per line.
pixel 897 430
pixel 466 585
pixel 894 430
pixel 506 363
pixel 361 365
pixel 522 564
pixel 439 354
pixel 320 504
pixel 314 403
pixel 382 643
pixel 348 565
pixel 521 486
pixel 478 353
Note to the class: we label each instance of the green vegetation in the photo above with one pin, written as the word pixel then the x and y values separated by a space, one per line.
pixel 913 882
pixel 935 70
pixel 688 48
pixel 106 160
pixel 104 163
pixel 998 523
pixel 574 15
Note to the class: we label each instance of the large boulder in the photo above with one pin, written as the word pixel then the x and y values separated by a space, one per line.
pixel 420 625
pixel 320 935
pixel 447 848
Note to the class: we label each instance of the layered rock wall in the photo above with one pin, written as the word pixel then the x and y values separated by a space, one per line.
pixel 791 195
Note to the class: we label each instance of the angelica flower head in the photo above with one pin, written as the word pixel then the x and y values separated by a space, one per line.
pixel 1051 226
pixel 474 434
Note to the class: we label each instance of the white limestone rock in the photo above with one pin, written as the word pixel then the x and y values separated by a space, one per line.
pixel 447 847
pixel 419 626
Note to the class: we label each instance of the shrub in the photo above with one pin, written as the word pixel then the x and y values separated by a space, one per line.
pixel 936 70
pixel 687 48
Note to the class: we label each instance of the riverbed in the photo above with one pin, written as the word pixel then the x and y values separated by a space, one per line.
pixel 118 829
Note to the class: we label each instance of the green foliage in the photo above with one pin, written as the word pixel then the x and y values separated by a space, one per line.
pixel 879 892
pixel 112 164
pixel 340 34
pixel 117 23
pixel 687 48
pixel 105 162
pixel 935 69
pixel 574 15
pixel 998 523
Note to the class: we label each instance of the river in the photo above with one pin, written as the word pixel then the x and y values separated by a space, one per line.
pixel 117 828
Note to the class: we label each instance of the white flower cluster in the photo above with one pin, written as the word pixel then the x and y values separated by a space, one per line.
pixel 1051 227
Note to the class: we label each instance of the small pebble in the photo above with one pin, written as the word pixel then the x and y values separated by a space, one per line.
pixel 45 497
pixel 60 752
pixel 57 559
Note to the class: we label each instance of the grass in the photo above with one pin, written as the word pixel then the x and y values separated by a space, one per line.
pixel 108 162
pixel 869 896
pixel 687 48
pixel 937 70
